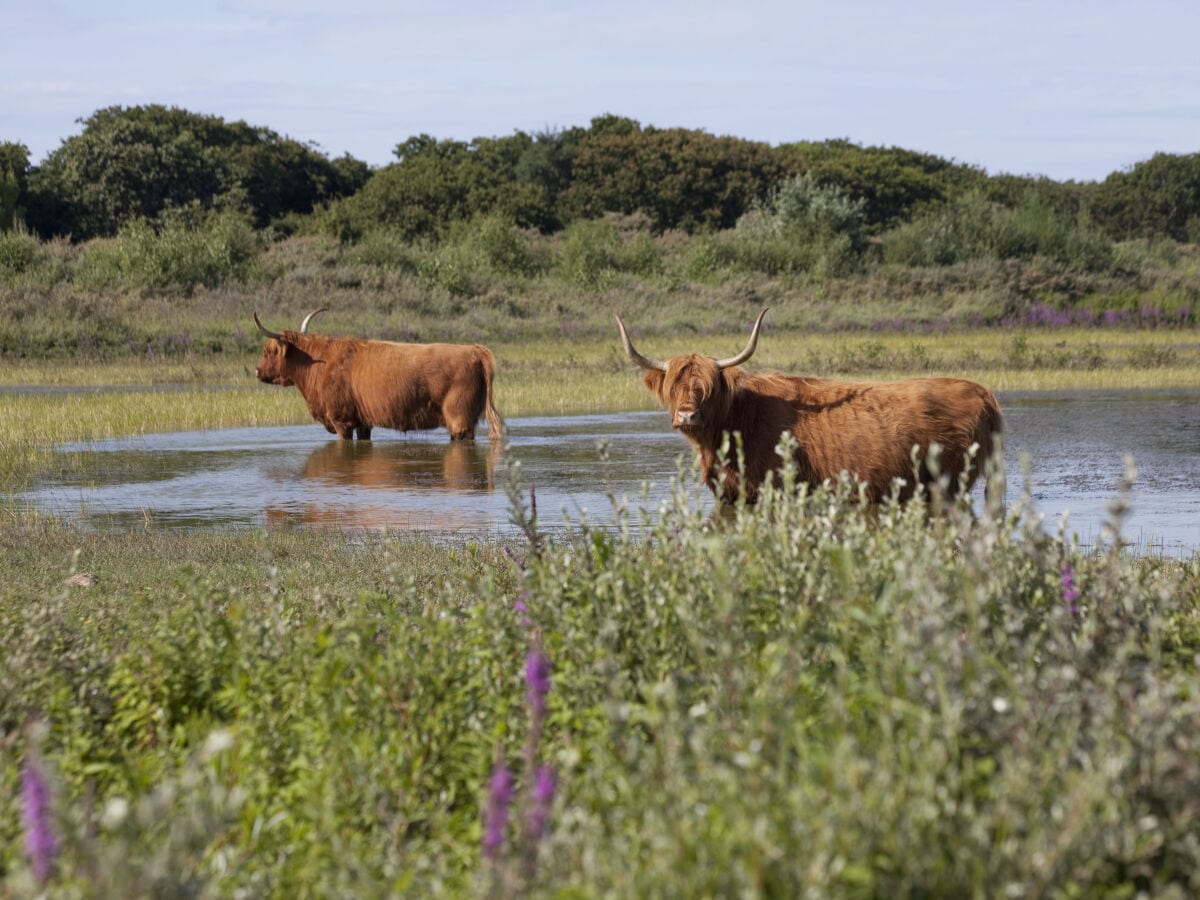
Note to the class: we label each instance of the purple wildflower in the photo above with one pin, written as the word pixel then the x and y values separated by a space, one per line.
pixel 521 608
pixel 495 820
pixel 40 844
pixel 1070 590
pixel 537 682
pixel 542 798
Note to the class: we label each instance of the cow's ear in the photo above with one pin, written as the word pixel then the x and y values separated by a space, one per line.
pixel 653 379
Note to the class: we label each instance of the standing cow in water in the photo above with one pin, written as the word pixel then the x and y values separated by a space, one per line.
pixel 353 385
pixel 867 429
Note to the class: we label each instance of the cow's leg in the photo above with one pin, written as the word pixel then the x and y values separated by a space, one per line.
pixel 460 425
pixel 364 432
pixel 344 431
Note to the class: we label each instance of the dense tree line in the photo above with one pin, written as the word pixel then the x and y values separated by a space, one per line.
pixel 143 162
pixel 149 164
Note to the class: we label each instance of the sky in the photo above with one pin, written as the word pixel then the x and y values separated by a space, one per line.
pixel 1066 89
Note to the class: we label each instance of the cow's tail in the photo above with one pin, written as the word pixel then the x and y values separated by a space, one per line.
pixel 495 423
pixel 990 436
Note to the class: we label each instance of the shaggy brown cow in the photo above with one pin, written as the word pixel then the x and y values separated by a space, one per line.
pixel 353 385
pixel 867 429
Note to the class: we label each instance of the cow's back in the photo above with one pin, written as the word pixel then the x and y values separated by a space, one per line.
pixel 869 429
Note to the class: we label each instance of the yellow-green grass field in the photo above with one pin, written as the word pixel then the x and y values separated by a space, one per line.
pixel 583 376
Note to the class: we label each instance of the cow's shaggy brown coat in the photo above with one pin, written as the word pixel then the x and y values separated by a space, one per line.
pixel 866 429
pixel 352 385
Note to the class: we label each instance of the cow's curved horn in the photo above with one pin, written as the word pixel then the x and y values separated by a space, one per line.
pixel 750 346
pixel 631 352
pixel 265 330
pixel 309 318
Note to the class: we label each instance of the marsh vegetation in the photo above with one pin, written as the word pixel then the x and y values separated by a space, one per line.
pixel 803 698
pixel 949 705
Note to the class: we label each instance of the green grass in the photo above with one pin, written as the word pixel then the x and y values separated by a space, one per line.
pixel 799 698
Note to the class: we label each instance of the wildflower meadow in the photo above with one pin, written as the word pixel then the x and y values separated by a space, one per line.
pixel 805 697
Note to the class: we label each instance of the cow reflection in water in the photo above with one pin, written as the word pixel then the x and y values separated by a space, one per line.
pixel 423 469
pixel 404 464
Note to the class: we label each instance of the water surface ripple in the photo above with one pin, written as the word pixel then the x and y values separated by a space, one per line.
pixel 1075 443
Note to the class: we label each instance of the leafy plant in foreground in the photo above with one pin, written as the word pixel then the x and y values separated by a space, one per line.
pixel 803 696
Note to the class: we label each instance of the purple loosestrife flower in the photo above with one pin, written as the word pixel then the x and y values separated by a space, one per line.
pixel 1070 590
pixel 520 606
pixel 537 682
pixel 495 820
pixel 40 844
pixel 540 802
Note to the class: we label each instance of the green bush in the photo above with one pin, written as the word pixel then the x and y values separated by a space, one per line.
pixel 954 233
pixel 1034 229
pixel 799 698
pixel 468 261
pixel 1155 198
pixel 800 205
pixel 384 249
pixel 679 178
pixel 10 193
pixel 19 252
pixel 748 250
pixel 757 247
pixel 502 247
pixel 972 227
pixel 180 254
pixel 139 162
pixel 452 268
pixel 589 254
pixel 801 228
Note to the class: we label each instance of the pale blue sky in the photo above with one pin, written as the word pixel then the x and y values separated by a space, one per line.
pixel 1071 90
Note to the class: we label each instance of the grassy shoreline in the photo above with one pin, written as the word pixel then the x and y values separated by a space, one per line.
pixel 541 377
